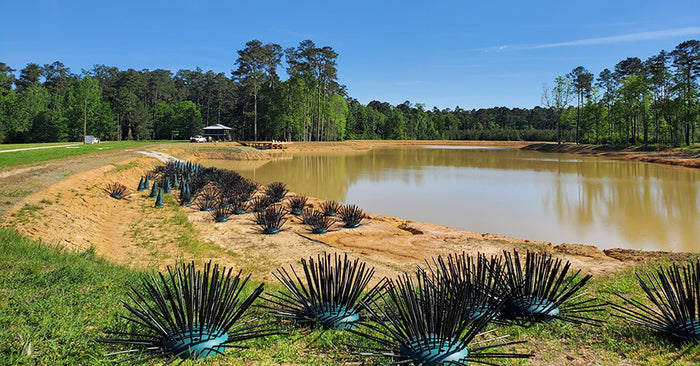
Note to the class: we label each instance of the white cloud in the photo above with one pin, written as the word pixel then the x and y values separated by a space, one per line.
pixel 642 36
pixel 495 48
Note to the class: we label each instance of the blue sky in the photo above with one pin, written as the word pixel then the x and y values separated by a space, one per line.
pixel 445 54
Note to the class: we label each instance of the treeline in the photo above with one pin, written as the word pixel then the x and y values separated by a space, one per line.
pixel 50 103
pixel 380 120
pixel 651 101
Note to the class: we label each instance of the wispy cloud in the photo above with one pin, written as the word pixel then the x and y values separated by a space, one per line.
pixel 631 37
pixel 642 36
pixel 495 48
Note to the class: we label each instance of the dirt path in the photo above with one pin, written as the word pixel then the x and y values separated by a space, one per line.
pixel 37 148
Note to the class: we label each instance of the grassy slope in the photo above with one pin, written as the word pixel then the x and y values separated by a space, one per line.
pixel 54 305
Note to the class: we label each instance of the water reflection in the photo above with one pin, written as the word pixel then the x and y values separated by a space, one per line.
pixel 558 198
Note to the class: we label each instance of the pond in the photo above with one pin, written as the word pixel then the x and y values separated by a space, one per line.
pixel 558 198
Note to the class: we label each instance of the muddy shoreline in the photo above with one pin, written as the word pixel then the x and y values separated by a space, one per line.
pixel 648 154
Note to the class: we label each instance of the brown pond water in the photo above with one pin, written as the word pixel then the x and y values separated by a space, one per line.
pixel 559 198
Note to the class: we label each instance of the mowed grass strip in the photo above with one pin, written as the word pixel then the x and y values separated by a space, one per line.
pixel 12 159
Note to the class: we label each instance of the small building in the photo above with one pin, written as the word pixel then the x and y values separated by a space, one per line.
pixel 217 132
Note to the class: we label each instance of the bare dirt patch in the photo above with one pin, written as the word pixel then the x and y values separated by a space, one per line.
pixel 17 183
pixel 76 214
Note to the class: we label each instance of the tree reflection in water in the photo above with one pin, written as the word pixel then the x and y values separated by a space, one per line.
pixel 549 197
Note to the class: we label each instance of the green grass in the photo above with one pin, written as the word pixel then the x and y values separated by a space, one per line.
pixel 174 221
pixel 123 167
pixel 54 305
pixel 615 342
pixel 18 158
pixel 27 213
pixel 692 147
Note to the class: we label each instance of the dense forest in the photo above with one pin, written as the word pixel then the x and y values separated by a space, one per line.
pixel 652 101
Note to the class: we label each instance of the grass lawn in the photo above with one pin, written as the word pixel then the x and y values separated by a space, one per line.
pixel 17 158
pixel 54 305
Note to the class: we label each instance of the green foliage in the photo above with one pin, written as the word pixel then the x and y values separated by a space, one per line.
pixel 86 109
pixel 187 119
pixel 257 65
pixel 640 102
pixel 337 112
pixel 653 101
pixel 163 126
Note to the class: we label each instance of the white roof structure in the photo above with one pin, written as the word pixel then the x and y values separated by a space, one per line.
pixel 217 126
